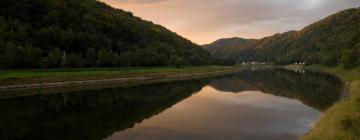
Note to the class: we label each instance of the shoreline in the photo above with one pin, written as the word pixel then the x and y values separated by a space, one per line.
pixel 345 92
pixel 102 81
pixel 329 126
pixel 341 120
pixel 25 77
pixel 10 91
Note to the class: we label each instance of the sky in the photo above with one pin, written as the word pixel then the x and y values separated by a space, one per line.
pixel 204 21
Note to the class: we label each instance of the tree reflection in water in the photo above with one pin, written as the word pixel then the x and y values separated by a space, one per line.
pixel 318 90
pixel 89 114
pixel 99 113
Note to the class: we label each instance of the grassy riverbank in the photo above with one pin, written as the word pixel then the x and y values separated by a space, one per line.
pixel 341 121
pixel 16 77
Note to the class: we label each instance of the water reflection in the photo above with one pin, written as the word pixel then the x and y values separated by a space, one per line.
pixel 319 90
pixel 209 115
pixel 89 114
pixel 268 104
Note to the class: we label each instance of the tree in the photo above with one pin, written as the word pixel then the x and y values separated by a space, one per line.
pixel 90 59
pixel 34 56
pixel 9 55
pixel 74 61
pixel 329 59
pixel 105 57
pixel 21 57
pixel 126 59
pixel 117 60
pixel 47 25
pixel 195 60
pixel 349 59
pixel 180 62
pixel 54 59
pixel 177 61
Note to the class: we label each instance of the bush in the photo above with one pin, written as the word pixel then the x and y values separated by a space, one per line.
pixel 347 123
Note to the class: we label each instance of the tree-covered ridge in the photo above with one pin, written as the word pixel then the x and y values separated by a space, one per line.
pixel 86 33
pixel 229 46
pixel 331 41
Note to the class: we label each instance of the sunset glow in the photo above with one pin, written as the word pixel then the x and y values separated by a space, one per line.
pixel 204 21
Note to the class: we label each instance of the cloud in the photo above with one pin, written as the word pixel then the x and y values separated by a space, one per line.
pixel 204 21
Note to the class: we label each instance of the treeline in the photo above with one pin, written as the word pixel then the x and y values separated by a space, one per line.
pixel 86 33
pixel 332 41
pixel 31 57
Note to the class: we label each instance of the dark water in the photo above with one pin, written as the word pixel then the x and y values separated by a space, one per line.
pixel 252 104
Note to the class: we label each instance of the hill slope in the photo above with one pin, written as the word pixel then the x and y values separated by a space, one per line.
pixel 77 33
pixel 331 41
pixel 225 48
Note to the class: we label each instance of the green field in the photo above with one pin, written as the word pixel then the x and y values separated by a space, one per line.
pixel 11 77
pixel 341 121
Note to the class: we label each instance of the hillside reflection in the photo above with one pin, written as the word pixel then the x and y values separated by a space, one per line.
pixel 97 114
pixel 88 114
pixel 318 90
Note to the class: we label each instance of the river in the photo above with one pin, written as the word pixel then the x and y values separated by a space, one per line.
pixel 253 104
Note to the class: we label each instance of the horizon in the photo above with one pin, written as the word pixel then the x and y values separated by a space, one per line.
pixel 251 19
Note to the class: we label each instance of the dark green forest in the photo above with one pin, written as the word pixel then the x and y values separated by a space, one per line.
pixel 86 33
pixel 332 41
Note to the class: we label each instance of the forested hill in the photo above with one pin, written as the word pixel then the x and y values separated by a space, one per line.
pixel 331 41
pixel 227 47
pixel 86 33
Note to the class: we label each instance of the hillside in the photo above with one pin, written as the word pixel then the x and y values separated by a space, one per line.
pixel 331 41
pixel 225 48
pixel 86 33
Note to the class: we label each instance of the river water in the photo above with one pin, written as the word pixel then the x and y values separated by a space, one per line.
pixel 249 105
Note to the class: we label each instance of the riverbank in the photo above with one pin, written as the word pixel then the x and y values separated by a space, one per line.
pixel 342 120
pixel 12 83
